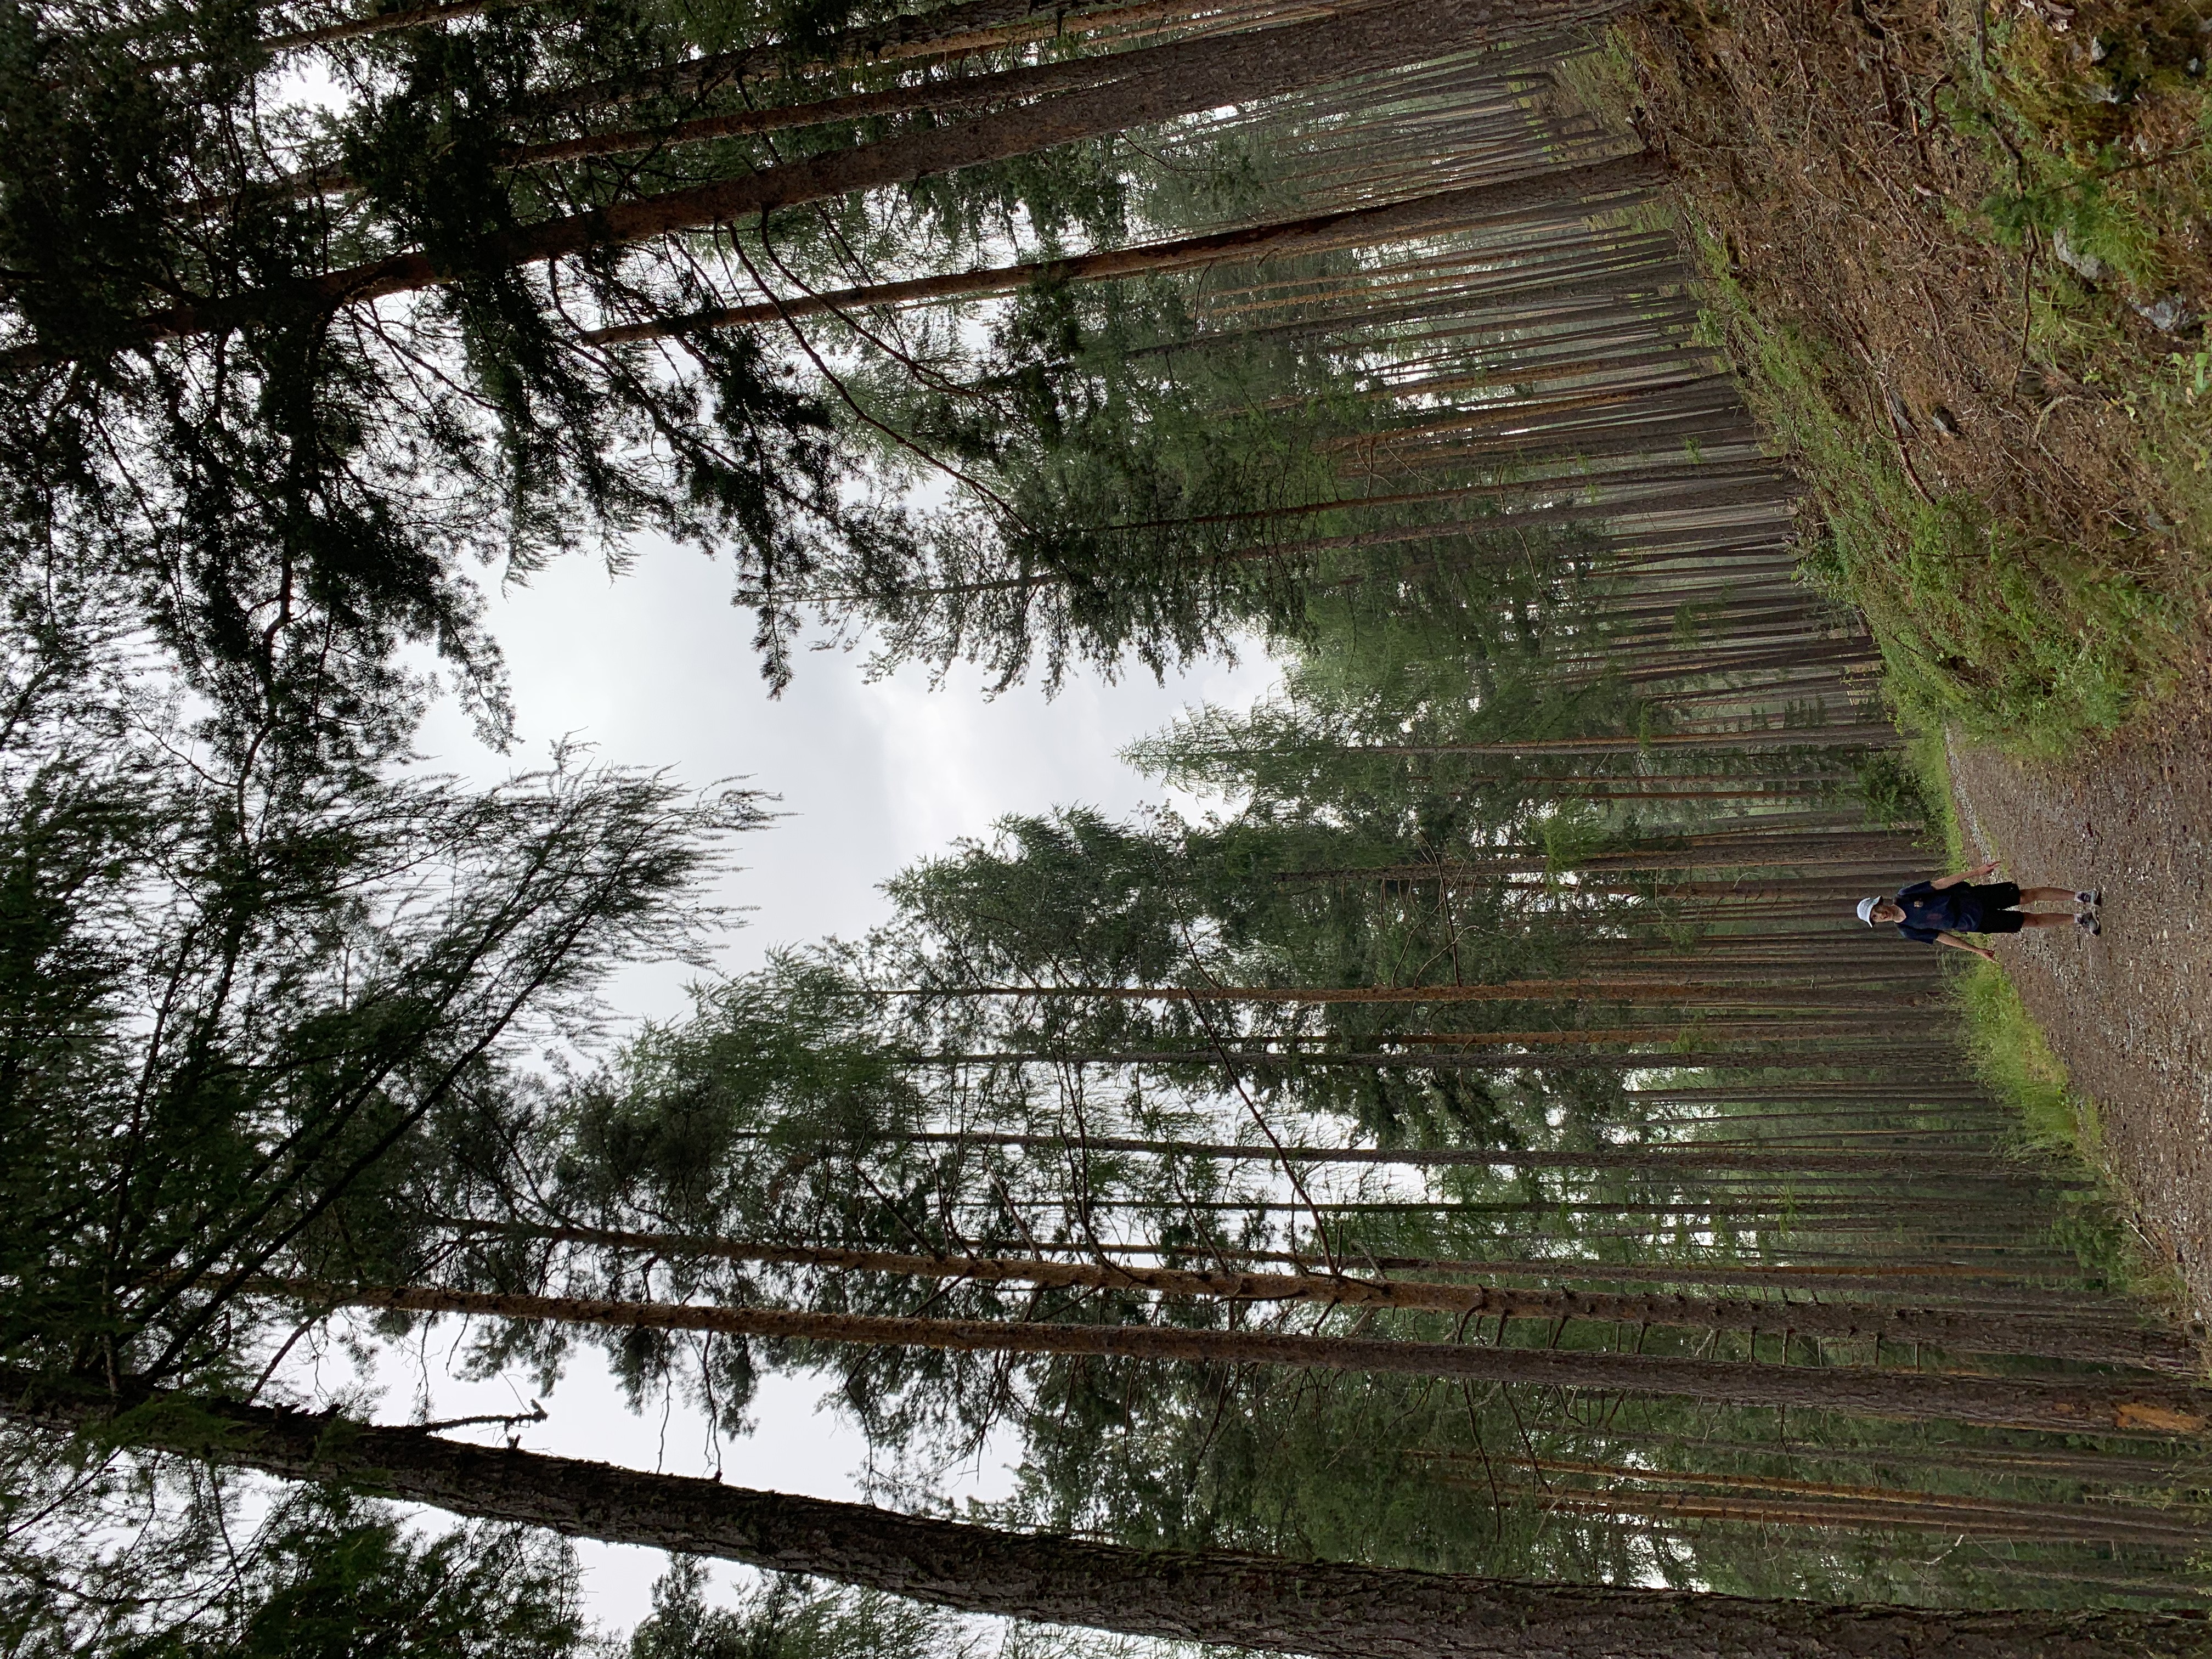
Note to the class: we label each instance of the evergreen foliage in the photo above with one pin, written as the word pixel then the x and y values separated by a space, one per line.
pixel 261 1013
pixel 108 1557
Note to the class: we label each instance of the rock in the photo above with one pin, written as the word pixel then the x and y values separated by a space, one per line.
pixel 2087 266
pixel 1899 412
pixel 2168 316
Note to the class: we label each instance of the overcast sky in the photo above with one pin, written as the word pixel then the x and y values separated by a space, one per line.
pixel 655 668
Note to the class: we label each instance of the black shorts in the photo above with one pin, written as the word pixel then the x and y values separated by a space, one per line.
pixel 1993 911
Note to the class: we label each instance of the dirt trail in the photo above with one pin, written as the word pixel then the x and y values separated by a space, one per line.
pixel 2129 1012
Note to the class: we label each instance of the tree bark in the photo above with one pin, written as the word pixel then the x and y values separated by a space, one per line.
pixel 1927 1278
pixel 1329 1610
pixel 2086 1524
pixel 1839 1505
pixel 1706 1057
pixel 1942 1327
pixel 2072 1405
pixel 1863 735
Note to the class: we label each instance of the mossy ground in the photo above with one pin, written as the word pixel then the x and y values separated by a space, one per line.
pixel 2011 458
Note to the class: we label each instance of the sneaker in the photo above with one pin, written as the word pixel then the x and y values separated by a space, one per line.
pixel 2088 923
pixel 2092 898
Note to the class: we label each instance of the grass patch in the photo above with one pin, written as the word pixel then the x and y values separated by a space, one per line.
pixel 2012 1055
pixel 2010 637
pixel 2013 1058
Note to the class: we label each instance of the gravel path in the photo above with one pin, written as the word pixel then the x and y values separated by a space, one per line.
pixel 2131 1013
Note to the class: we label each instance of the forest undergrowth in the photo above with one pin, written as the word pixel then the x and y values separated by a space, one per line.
pixel 1959 255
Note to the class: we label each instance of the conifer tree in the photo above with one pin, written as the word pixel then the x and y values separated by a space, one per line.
pixel 292 368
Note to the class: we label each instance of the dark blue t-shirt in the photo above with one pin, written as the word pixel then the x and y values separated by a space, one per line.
pixel 1930 909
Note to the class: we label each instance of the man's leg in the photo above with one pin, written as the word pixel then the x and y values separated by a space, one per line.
pixel 2045 918
pixel 2047 896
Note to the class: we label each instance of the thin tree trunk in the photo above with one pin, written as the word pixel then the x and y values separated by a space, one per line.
pixel 1670 1059
pixel 974 25
pixel 1891 1506
pixel 1922 1279
pixel 1687 1155
pixel 1937 1326
pixel 355 28
pixel 1323 1609
pixel 1991 1521
pixel 1676 992
pixel 1863 735
pixel 1314 232
pixel 2040 1464
pixel 2071 1406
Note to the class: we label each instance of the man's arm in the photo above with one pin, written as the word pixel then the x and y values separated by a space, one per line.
pixel 1957 943
pixel 1941 882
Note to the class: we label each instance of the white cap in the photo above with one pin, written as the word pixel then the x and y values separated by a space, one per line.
pixel 1866 910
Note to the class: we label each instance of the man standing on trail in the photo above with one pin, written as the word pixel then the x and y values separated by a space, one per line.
pixel 1937 912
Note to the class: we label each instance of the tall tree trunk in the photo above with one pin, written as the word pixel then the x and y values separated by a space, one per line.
pixel 1314 232
pixel 1924 1279
pixel 1659 1159
pixel 1939 1327
pixel 1989 1521
pixel 1702 993
pixel 2071 1405
pixel 351 28
pixel 1324 1609
pixel 1885 1506
pixel 1857 735
pixel 1180 78
pixel 2035 1463
pixel 355 28
pixel 1705 1057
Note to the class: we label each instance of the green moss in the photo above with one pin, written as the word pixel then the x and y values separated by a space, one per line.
pixel 1602 79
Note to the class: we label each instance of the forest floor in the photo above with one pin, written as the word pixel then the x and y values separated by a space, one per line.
pixel 1961 253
